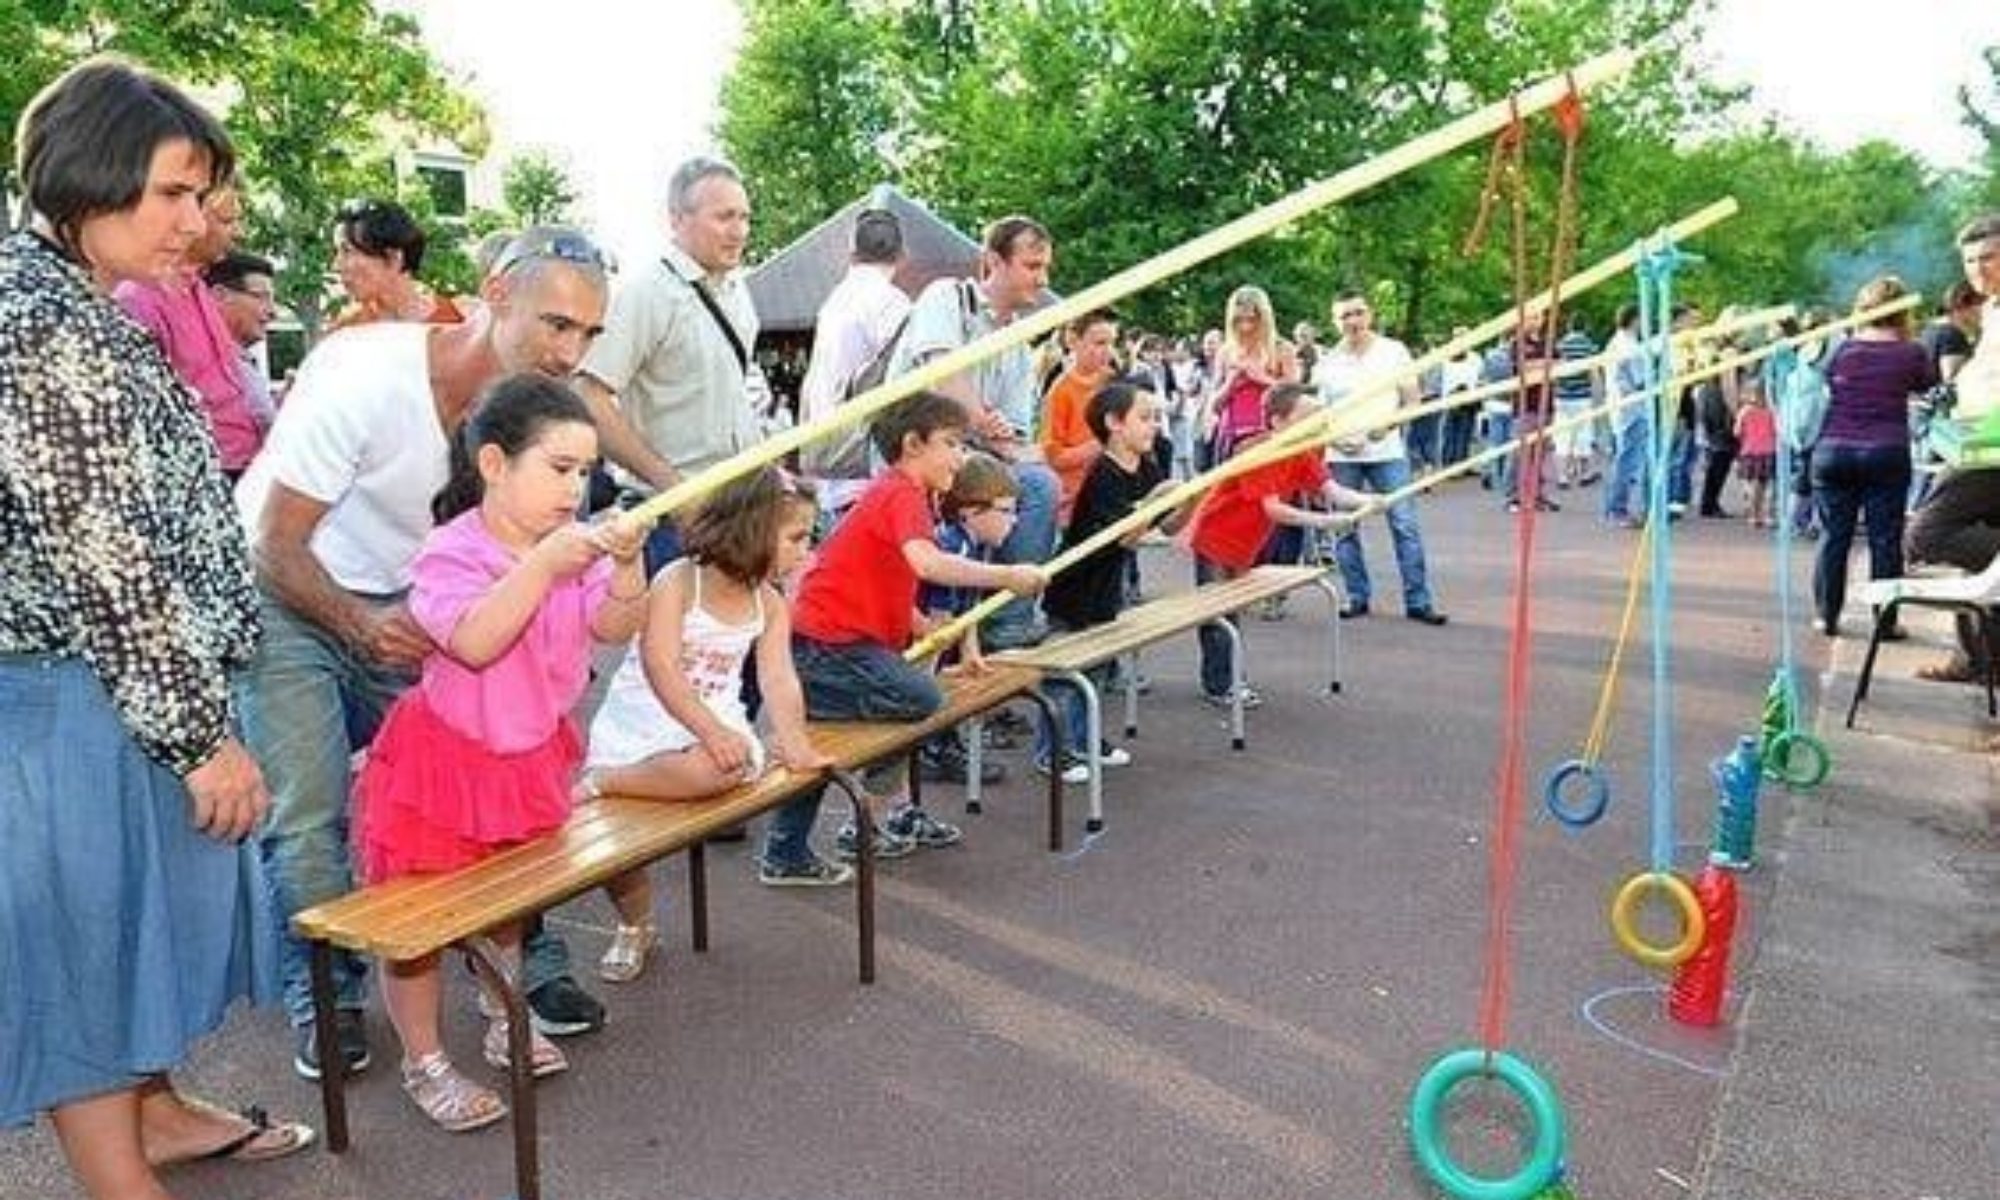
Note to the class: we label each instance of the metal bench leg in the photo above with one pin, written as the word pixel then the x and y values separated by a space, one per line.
pixel 697 856
pixel 1326 584
pixel 332 1065
pixel 975 762
pixel 1057 736
pixel 1883 620
pixel 864 866
pixel 1239 677
pixel 914 769
pixel 1984 629
pixel 1132 694
pixel 494 971
pixel 1093 731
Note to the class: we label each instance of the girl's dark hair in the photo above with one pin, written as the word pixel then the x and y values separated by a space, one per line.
pixel 735 530
pixel 85 143
pixel 511 414
pixel 1111 400
pixel 922 414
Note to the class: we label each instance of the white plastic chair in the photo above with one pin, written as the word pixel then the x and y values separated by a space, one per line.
pixel 1974 596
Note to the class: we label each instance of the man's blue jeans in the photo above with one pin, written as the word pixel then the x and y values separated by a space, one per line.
pixel 1032 541
pixel 860 681
pixel 1381 478
pixel 1625 491
pixel 308 701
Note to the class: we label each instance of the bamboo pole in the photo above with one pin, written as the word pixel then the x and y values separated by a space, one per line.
pixel 1320 428
pixel 1719 367
pixel 1482 123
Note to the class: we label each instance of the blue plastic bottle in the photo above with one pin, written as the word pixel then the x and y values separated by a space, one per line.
pixel 1737 779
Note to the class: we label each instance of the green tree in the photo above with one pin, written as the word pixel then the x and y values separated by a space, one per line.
pixel 317 94
pixel 536 189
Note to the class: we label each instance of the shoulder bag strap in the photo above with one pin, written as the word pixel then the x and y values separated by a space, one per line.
pixel 721 319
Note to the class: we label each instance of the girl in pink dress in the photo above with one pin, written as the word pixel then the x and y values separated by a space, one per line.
pixel 480 753
pixel 1757 435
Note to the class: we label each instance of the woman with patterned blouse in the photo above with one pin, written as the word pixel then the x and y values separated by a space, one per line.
pixel 130 916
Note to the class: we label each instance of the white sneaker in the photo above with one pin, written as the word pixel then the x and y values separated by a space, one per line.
pixel 1109 755
pixel 1075 770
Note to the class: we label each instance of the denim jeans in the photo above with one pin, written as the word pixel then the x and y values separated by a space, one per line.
pixel 1680 467
pixel 307 702
pixel 1068 699
pixel 1850 483
pixel 1381 478
pixel 1218 668
pixel 860 681
pixel 1032 541
pixel 1457 437
pixel 1625 491
pixel 1498 472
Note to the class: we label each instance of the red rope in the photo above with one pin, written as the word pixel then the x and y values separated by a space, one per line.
pixel 1508 785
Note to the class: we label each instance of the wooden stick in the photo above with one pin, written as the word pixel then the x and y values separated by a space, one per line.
pixel 1319 429
pixel 1719 367
pixel 1489 120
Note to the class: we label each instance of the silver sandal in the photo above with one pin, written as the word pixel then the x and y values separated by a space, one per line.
pixel 456 1103
pixel 625 959
pixel 544 1058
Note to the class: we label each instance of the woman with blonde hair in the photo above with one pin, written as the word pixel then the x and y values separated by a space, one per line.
pixel 1861 462
pixel 1252 359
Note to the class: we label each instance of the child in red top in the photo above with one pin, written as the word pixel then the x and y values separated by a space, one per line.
pixel 1757 438
pixel 856 613
pixel 1236 519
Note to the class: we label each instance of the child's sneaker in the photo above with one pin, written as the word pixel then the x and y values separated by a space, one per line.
pixel 1252 698
pixel 1109 755
pixel 919 828
pixel 882 844
pixel 815 872
pixel 1075 770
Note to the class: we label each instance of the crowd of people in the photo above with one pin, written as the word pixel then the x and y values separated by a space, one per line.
pixel 254 652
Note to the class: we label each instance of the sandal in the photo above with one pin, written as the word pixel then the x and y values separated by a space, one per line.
pixel 456 1103
pixel 260 1140
pixel 625 959
pixel 544 1059
pixel 1952 670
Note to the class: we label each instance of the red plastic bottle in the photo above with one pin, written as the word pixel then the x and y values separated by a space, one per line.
pixel 1696 995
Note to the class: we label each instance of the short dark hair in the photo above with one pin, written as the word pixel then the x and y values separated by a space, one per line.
pixel 735 527
pixel 510 414
pixel 1111 400
pixel 233 268
pixel 1080 325
pixel 1628 315
pixel 920 416
pixel 1979 228
pixel 1009 234
pixel 878 236
pixel 85 143
pixel 379 227
pixel 1961 295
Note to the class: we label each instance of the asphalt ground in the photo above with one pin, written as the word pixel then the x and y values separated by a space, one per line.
pixel 1233 990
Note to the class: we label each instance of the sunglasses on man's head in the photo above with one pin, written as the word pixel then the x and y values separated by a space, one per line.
pixel 573 248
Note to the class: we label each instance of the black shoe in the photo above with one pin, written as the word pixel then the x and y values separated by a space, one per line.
pixel 562 1009
pixel 1352 611
pixel 1718 513
pixel 1427 616
pixel 350 1033
pixel 948 763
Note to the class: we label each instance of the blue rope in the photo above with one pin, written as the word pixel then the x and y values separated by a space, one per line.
pixel 1657 265
pixel 1778 370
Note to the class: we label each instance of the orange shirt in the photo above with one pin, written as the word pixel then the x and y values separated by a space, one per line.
pixel 1067 443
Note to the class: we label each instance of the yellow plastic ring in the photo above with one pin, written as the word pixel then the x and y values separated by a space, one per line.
pixel 1693 927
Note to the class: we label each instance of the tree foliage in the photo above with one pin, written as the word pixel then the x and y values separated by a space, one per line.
pixel 317 94
pixel 1131 126
pixel 536 190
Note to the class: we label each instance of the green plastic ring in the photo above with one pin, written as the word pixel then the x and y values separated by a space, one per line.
pixel 1786 751
pixel 1544 1161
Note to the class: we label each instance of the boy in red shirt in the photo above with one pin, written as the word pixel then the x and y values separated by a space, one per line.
pixel 1236 519
pixel 856 613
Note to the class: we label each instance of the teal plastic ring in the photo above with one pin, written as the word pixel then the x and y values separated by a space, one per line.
pixel 1786 751
pixel 1596 794
pixel 1544 1162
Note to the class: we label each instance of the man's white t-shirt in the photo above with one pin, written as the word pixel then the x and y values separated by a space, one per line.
pixel 359 432
pixel 1340 371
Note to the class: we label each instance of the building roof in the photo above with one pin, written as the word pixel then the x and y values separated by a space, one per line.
pixel 789 287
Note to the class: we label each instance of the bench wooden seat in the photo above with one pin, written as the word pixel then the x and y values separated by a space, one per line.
pixel 408 919
pixel 1070 655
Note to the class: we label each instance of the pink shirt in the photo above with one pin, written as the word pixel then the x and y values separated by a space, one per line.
pixel 184 317
pixel 516 702
pixel 1756 430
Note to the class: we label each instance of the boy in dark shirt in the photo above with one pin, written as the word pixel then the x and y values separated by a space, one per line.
pixel 1126 422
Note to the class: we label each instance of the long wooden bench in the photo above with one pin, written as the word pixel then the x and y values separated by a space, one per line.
pixel 407 919
pixel 1069 656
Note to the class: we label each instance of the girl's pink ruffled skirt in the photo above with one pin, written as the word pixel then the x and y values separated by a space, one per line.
pixel 431 799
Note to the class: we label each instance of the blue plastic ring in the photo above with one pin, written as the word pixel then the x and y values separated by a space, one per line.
pixel 1596 793
pixel 1544 1162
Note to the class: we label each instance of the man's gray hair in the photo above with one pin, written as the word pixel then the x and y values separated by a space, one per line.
pixel 1986 225
pixel 688 176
